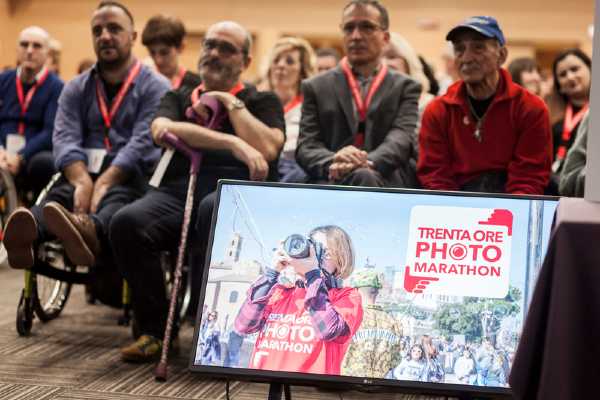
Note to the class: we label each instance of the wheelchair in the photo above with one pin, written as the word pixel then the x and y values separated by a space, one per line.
pixel 9 201
pixel 49 281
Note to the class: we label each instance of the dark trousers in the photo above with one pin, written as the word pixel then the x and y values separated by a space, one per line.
pixel 363 177
pixel 151 225
pixel 198 259
pixel 36 172
pixel 291 172
pixel 358 177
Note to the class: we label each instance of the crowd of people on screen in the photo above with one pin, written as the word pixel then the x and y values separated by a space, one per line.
pixel 376 117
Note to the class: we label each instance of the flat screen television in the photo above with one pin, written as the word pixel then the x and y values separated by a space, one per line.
pixel 390 289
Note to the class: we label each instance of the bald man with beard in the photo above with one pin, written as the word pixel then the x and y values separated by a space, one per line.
pixel 246 145
pixel 28 103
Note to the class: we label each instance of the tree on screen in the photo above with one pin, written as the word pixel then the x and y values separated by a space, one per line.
pixel 477 317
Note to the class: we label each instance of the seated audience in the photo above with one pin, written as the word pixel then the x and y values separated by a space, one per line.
pixel 163 37
pixel 434 86
pixel 572 70
pixel 524 71
pixel 54 54
pixel 104 155
pixel 291 61
pixel 327 58
pixel 400 56
pixel 486 133
pixel 28 102
pixel 450 73
pixel 358 120
pixel 245 145
pixel 572 177
pixel 84 65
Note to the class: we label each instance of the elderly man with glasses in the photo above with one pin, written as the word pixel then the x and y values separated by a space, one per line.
pixel 359 119
pixel 245 144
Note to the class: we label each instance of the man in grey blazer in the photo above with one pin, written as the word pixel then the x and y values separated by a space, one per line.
pixel 359 119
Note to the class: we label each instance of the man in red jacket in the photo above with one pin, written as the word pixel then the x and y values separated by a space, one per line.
pixel 486 133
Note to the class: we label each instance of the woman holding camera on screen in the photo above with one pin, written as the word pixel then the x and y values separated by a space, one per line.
pixel 304 324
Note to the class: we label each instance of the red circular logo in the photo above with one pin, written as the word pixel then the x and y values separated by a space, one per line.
pixel 458 251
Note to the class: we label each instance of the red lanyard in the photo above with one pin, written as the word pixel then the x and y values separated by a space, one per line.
pixel 569 124
pixel 25 101
pixel 200 88
pixel 293 103
pixel 362 105
pixel 176 81
pixel 114 106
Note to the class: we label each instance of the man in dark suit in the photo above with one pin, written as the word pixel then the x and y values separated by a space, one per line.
pixel 359 119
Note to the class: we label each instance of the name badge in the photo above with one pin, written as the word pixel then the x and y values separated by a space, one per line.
pixel 14 143
pixel 161 168
pixel 95 159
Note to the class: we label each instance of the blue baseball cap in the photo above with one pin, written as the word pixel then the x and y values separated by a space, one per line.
pixel 487 26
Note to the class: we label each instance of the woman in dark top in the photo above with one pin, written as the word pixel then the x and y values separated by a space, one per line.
pixel 572 70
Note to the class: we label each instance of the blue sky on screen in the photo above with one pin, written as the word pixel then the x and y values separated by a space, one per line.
pixel 377 222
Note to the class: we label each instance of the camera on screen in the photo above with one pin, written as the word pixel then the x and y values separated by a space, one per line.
pixel 298 246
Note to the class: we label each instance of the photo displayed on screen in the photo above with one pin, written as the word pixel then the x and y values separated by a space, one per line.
pixel 389 285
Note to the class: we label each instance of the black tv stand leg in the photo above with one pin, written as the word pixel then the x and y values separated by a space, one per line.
pixel 276 390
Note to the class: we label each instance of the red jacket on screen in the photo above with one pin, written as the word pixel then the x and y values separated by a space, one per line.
pixel 289 342
pixel 516 139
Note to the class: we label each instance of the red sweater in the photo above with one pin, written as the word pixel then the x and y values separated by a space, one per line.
pixel 290 342
pixel 516 139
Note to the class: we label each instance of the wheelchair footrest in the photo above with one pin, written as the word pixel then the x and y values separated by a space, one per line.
pixel 42 268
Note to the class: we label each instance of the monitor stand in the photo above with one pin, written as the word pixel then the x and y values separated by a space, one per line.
pixel 276 389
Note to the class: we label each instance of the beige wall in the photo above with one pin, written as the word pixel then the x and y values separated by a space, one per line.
pixel 5 34
pixel 527 24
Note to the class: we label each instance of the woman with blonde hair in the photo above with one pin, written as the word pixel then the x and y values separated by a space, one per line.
pixel 399 55
pixel 291 60
pixel 304 324
pixel 402 57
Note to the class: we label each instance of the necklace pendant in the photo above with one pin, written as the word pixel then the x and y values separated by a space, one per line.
pixel 477 134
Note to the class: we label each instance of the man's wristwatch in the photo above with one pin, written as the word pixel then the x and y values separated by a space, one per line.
pixel 236 104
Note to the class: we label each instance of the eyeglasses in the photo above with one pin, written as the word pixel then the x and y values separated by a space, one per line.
pixel 223 47
pixel 364 27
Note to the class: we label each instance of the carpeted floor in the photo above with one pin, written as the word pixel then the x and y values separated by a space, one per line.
pixel 76 357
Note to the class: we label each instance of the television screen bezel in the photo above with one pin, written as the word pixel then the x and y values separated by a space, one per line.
pixel 338 381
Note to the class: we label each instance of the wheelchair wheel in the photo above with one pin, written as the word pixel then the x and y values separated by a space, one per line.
pixel 8 203
pixel 24 315
pixel 51 295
